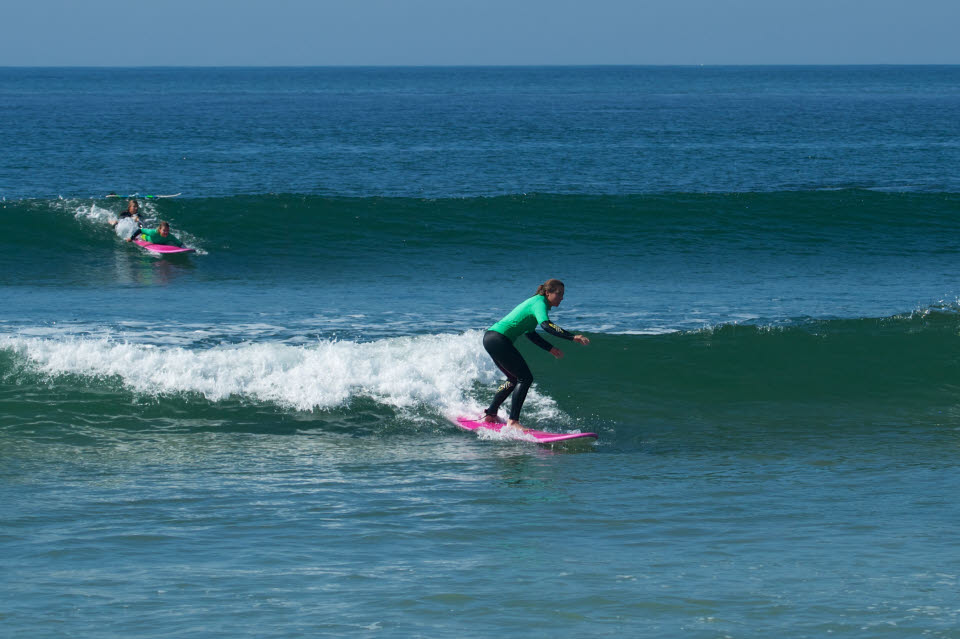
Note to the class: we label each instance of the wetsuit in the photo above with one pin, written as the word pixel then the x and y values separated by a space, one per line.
pixel 153 236
pixel 498 342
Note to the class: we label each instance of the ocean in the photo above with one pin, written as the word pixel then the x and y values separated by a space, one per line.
pixel 254 440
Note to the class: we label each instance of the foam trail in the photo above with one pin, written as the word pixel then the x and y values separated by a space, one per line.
pixel 435 371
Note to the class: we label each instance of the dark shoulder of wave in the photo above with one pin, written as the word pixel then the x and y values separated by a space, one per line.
pixel 909 358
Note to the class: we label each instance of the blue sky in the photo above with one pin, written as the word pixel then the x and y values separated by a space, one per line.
pixel 494 32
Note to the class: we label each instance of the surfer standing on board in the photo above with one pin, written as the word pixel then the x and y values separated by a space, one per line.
pixel 499 343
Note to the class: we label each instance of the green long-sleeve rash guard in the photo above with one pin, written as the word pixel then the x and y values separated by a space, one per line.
pixel 524 319
pixel 153 236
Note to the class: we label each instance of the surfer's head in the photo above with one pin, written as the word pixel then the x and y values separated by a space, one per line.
pixel 552 289
pixel 163 228
pixel 133 207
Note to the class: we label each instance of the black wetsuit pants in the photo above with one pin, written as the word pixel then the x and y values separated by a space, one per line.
pixel 509 360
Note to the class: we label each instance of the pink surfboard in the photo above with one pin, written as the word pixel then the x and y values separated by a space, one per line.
pixel 162 248
pixel 536 436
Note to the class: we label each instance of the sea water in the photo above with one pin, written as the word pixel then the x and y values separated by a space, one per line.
pixel 254 440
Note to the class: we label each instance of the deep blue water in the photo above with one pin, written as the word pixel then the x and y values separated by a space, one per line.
pixel 476 131
pixel 254 439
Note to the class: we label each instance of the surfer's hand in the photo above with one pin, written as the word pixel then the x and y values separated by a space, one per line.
pixel 556 352
pixel 580 339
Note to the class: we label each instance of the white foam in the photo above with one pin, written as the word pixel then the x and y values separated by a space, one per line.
pixel 437 371
pixel 505 434
pixel 645 331
pixel 97 214
pixel 126 227
pixel 94 214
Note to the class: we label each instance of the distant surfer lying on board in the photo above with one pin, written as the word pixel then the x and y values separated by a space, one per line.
pixel 159 235
pixel 499 343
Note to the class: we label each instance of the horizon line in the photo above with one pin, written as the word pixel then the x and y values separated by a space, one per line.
pixel 478 66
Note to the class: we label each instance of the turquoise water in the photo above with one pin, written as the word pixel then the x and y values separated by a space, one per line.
pixel 254 440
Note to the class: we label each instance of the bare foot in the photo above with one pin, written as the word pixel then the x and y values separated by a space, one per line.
pixel 490 419
pixel 512 423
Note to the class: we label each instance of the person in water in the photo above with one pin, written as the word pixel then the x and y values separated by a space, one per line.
pixel 128 223
pixel 159 235
pixel 132 210
pixel 499 340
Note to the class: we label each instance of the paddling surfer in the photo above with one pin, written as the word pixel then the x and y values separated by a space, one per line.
pixel 159 235
pixel 499 340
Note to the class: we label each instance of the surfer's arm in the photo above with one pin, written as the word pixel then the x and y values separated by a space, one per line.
pixel 555 330
pixel 539 341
